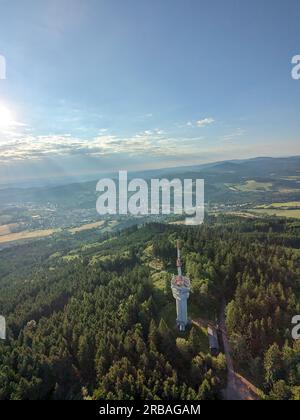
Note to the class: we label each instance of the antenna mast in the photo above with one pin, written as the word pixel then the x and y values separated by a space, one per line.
pixel 179 261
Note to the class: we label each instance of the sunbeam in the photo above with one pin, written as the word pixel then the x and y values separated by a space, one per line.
pixel 6 117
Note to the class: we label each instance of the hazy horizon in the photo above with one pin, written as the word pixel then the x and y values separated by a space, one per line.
pixel 94 176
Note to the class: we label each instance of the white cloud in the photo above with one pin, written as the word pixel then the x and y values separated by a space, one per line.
pixel 205 122
pixel 238 132
pixel 147 144
pixel 17 146
pixel 145 116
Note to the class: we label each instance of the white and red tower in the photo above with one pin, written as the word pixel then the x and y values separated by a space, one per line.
pixel 181 287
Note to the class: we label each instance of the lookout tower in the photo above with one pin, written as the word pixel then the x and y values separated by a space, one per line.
pixel 181 287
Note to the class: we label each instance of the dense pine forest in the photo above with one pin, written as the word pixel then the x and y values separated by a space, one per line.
pixel 93 317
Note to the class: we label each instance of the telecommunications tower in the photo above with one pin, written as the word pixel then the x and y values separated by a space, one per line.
pixel 181 287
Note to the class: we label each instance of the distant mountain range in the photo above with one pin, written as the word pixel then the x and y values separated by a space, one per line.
pixel 260 166
pixel 275 178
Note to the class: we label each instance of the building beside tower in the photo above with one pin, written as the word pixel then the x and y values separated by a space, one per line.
pixel 181 287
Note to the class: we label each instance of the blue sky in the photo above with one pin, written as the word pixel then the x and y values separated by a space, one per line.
pixel 97 85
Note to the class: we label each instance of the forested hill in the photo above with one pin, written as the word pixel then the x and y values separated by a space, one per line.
pixel 94 319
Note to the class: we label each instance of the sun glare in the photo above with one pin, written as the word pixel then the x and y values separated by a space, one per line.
pixel 6 117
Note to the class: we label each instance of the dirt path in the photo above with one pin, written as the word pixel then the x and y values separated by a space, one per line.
pixel 238 388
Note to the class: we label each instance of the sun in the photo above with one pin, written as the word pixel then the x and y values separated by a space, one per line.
pixel 6 117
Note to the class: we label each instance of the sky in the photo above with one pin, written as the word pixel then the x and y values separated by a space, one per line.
pixel 105 85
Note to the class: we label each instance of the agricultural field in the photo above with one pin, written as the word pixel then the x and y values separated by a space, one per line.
pixel 9 233
pixel 252 186
pixel 291 178
pixel 14 237
pixel 290 209
pixel 88 226
pixel 288 205
pixel 294 214
pixel 7 229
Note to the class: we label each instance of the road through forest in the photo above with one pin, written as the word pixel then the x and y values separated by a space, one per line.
pixel 238 388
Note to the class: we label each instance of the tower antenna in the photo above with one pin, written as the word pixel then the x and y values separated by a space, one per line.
pixel 179 261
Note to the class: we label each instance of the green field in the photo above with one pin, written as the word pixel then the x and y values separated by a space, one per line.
pixel 291 178
pixel 252 186
pixel 288 205
pixel 290 209
pixel 295 214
